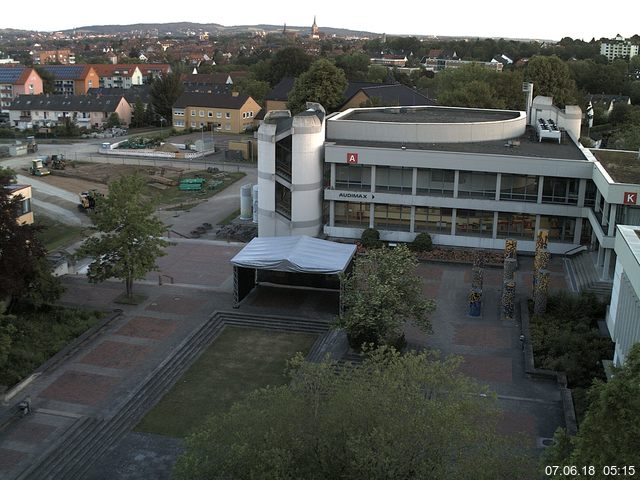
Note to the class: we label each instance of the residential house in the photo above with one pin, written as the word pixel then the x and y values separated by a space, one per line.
pixel 211 83
pixel 233 113
pixel 437 60
pixel 153 70
pixel 118 75
pixel 389 60
pixel 607 102
pixel 142 92
pixel 73 79
pixel 16 81
pixel 87 111
pixel 43 57
pixel 25 216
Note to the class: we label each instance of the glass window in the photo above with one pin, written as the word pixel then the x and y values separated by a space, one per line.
pixel 392 217
pixel 433 219
pixel 210 114
pixel 590 194
pixel 435 182
pixel 227 115
pixel 519 187
pixel 561 229
pixel 193 113
pixel 477 185
pixel 202 113
pixel 353 177
pixel 25 205
pixel 474 222
pixel 517 225
pixel 218 114
pixel 394 179
pixel 349 214
pixel 193 124
pixel 560 190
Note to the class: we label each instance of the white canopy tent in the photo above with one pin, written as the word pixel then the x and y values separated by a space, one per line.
pixel 298 255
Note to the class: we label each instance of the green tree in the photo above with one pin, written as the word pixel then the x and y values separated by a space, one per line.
pixel 381 294
pixel 48 79
pixel 289 62
pixel 138 117
pixel 355 66
pixel 634 91
pixel 478 87
pixel 25 274
pixel 610 430
pixel 113 120
pixel 377 74
pixel 164 93
pixel 256 89
pixel 128 242
pixel 395 416
pixel 551 77
pixel 323 83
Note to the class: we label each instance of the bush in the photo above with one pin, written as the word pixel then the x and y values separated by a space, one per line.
pixel 422 243
pixel 587 142
pixel 371 238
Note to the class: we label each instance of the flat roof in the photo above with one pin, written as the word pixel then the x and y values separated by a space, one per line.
pixel 623 167
pixel 524 146
pixel 429 114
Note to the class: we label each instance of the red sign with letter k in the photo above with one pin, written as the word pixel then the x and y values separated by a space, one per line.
pixel 630 198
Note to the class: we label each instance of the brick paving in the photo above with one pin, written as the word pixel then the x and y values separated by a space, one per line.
pixel 80 387
pixel 482 335
pixel 488 368
pixel 30 431
pixel 148 327
pixel 116 355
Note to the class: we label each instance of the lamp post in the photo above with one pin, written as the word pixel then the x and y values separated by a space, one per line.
pixel 162 122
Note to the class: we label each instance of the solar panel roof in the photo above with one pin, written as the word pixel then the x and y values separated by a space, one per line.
pixel 10 74
pixel 66 71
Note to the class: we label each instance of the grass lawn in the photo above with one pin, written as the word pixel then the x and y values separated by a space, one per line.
pixel 57 235
pixel 239 361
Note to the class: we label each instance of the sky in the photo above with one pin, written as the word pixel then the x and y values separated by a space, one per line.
pixel 550 20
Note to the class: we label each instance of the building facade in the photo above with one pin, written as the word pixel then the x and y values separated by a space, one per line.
pixel 118 75
pixel 25 216
pixel 62 57
pixel 73 79
pixel 231 113
pixel 15 81
pixel 618 48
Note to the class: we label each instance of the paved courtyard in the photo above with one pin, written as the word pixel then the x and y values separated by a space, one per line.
pixel 93 380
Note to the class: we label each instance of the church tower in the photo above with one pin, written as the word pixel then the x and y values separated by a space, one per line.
pixel 315 31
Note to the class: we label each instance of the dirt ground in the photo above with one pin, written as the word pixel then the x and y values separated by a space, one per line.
pixel 86 176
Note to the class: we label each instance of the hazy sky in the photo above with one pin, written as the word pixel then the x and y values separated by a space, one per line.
pixel 546 19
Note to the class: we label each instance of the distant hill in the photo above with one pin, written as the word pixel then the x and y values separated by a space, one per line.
pixel 183 28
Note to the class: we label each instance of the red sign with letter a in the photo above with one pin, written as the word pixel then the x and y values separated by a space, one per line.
pixel 352 158
pixel 630 198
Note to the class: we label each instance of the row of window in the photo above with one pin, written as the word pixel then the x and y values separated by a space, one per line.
pixel 440 182
pixel 439 220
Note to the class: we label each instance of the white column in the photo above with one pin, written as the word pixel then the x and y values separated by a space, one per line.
pixel 414 184
pixel 612 219
pixel 332 212
pixel 607 264
pixel 582 191
pixel 412 223
pixel 577 232
pixel 495 225
pixel 373 178
pixel 333 179
pixel 498 181
pixel 540 187
pixel 453 220
pixel 371 213
pixel 456 181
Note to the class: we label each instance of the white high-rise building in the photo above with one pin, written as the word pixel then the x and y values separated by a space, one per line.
pixel 618 48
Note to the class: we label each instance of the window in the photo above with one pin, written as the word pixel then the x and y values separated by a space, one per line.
pixel 210 114
pixel 349 214
pixel 517 225
pixel 519 187
pixel 25 206
pixel 590 194
pixel 477 185
pixel 392 217
pixel 560 229
pixel 560 190
pixel 202 113
pixel 227 115
pixel 394 179
pixel 474 222
pixel 218 114
pixel 193 124
pixel 433 219
pixel 353 177
pixel 251 113
pixel 244 115
pixel 193 113
pixel 435 182
pixel 178 113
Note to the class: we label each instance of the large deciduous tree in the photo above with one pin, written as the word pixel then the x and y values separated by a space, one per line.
pixel 323 83
pixel 129 236
pixel 551 77
pixel 610 430
pixel 164 93
pixel 381 294
pixel 393 417
pixel 288 62
pixel 25 274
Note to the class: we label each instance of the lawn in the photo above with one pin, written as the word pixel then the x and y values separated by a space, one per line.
pixel 55 235
pixel 238 362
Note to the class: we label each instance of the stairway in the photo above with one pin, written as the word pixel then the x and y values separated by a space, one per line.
pixel 71 456
pixel 586 278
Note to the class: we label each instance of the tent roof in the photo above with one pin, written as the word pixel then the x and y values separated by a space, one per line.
pixel 295 254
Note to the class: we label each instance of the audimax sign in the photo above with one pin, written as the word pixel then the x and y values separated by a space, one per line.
pixel 360 196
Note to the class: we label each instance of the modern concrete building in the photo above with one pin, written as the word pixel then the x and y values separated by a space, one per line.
pixel 290 173
pixel 623 317
pixel 469 177
pixel 618 48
